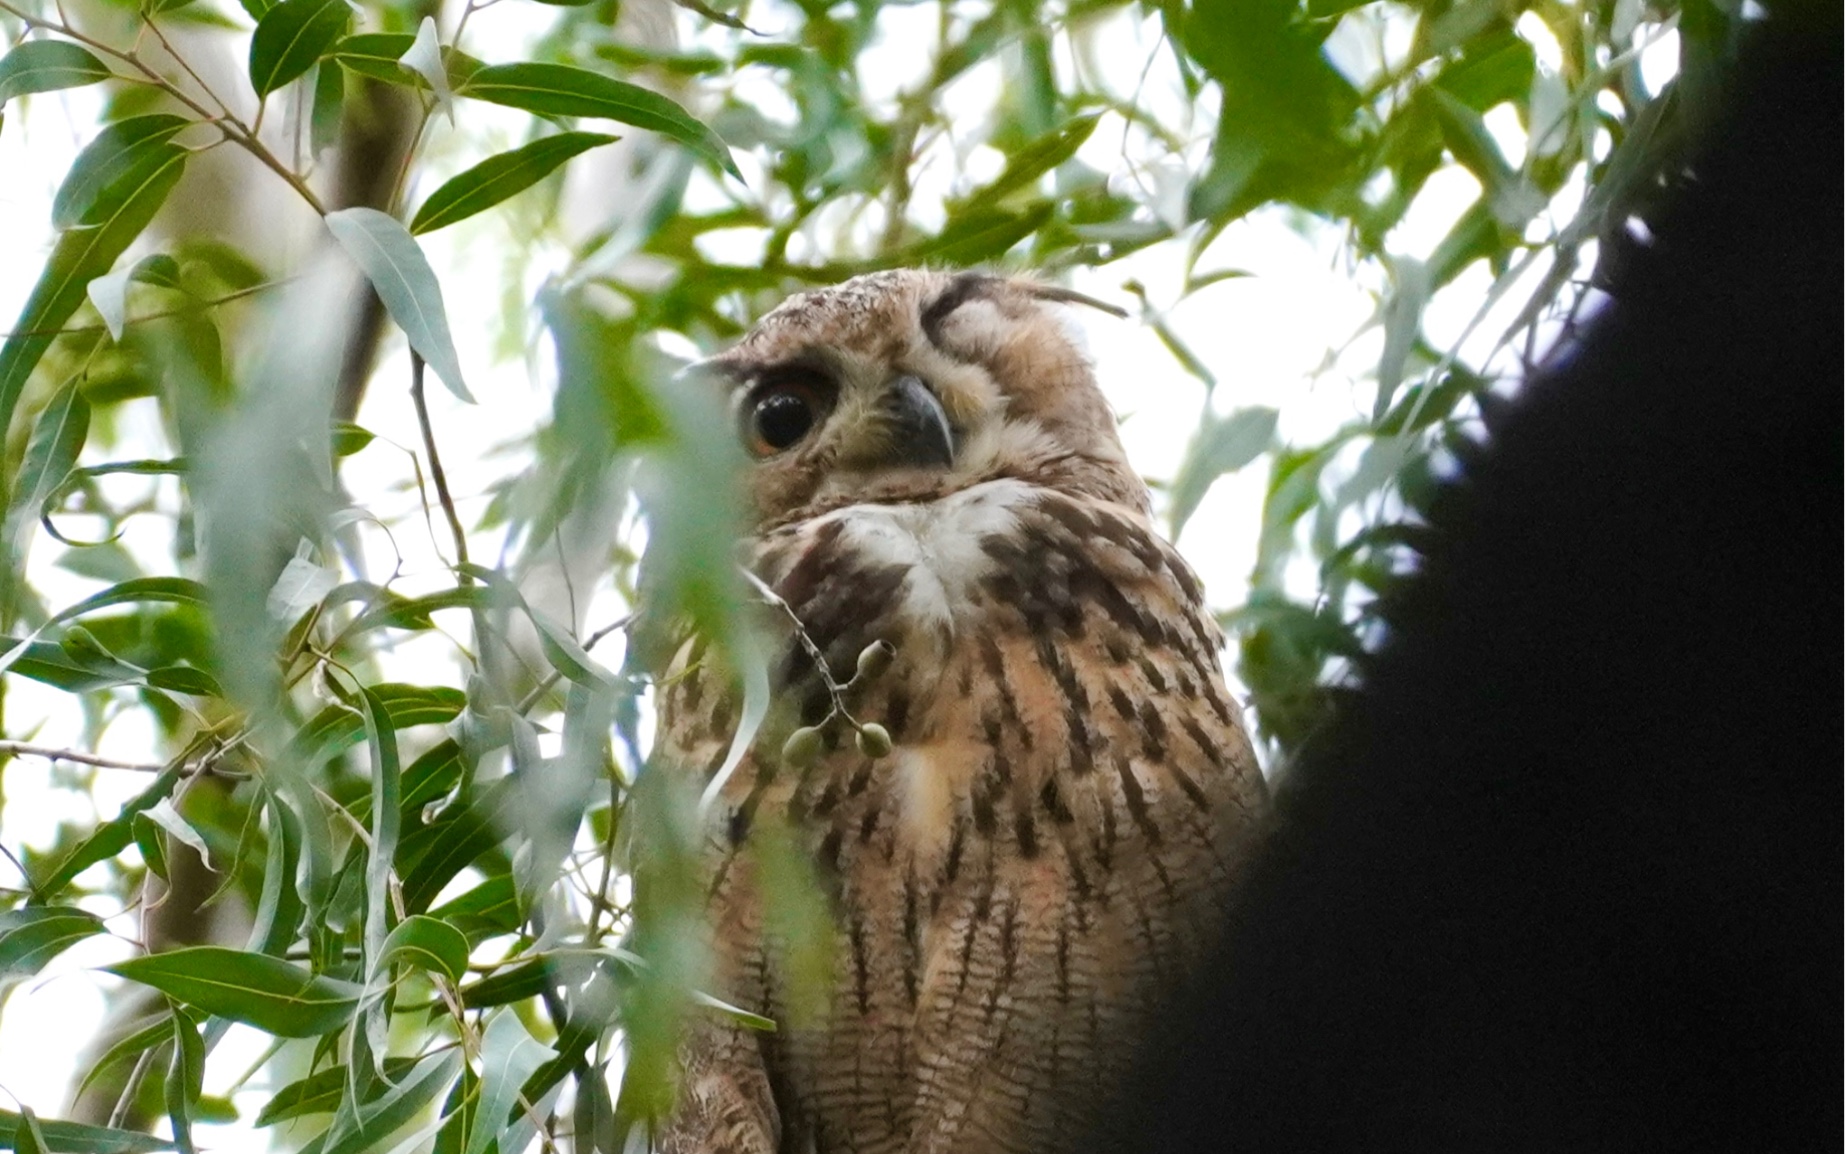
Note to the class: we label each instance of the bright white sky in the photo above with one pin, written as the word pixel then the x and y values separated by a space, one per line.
pixel 1267 336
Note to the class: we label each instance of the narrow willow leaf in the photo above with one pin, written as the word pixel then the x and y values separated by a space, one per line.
pixel 172 590
pixel 1040 156
pixel 77 1138
pixel 28 1138
pixel 487 910
pixel 379 55
pixel 117 150
pixel 153 847
pixel 319 1092
pixel 413 612
pixel 431 857
pixel 111 837
pixel 185 1081
pixel 424 57
pixel 508 1056
pixel 32 936
pixel 109 296
pixel 162 814
pixel 388 255
pixel 561 90
pixel 57 438
pixel 279 908
pixel 570 658
pixel 48 664
pixel 387 821
pixel 428 944
pixel 516 983
pixel 290 37
pixel 737 1014
pixel 46 66
pixel 185 679
pixel 157 1031
pixel 336 728
pixel 981 235
pixel 1401 316
pixel 1221 445
pixel 275 996
pixel 397 1105
pixel 116 217
pixel 500 177
pixel 328 106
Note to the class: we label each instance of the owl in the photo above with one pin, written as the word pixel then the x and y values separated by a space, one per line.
pixel 1002 735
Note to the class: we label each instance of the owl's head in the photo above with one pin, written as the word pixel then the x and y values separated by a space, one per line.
pixel 909 385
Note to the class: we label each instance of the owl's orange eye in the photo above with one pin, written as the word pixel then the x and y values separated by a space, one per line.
pixel 780 413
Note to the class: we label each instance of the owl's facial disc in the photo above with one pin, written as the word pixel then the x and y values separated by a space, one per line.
pixel 917 426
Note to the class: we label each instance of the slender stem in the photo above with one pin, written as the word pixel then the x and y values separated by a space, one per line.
pixel 436 472
pixel 186 67
pixel 20 748
pixel 214 302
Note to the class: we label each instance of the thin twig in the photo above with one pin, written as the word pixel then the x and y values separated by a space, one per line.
pixel 212 302
pixel 16 748
pixel 436 472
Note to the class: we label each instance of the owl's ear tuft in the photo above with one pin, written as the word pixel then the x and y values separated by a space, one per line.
pixel 1047 292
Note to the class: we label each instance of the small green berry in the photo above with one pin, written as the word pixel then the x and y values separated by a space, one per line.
pixel 873 660
pixel 873 740
pixel 803 747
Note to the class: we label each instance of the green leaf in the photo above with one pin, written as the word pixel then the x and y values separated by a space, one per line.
pixel 381 1116
pixel 185 679
pixel 319 1092
pixel 487 910
pixel 429 944
pixel 1221 445
pixel 46 66
pixel 111 837
pixel 57 438
pixel 174 590
pixel 508 1056
pixel 431 856
pixel 336 728
pixel 185 1080
pixel 117 150
pixel 153 847
pixel 980 235
pixel 329 104
pixel 162 814
pixel 499 177
pixel 387 821
pixel 77 1138
pixel 1040 156
pixel 133 1045
pixel 275 996
pixel 379 55
pixel 32 936
pixel 413 612
pixel 279 908
pixel 349 438
pixel 116 217
pixel 290 37
pixel 561 90
pixel 397 268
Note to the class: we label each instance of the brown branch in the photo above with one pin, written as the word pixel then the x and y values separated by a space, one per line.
pixel 436 472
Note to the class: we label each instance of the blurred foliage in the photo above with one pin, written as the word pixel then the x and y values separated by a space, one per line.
pixel 467 908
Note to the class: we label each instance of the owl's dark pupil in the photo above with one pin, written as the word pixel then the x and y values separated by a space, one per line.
pixel 782 419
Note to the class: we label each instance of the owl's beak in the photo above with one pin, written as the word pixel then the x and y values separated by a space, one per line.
pixel 917 425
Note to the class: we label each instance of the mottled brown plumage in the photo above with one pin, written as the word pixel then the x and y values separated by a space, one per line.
pixel 1070 787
